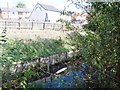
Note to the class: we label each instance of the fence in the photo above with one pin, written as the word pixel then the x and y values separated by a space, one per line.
pixel 15 24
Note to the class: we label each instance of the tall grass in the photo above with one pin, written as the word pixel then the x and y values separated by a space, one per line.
pixel 15 50
pixel 25 51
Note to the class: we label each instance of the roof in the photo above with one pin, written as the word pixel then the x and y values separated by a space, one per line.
pixel 79 15
pixel 14 9
pixel 49 7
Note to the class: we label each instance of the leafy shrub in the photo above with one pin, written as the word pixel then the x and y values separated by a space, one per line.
pixel 24 51
pixel 100 47
pixel 18 50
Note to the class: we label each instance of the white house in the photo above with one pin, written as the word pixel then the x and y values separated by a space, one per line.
pixel 14 13
pixel 44 13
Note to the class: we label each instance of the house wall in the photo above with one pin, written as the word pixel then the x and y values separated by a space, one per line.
pixel 4 15
pixel 14 15
pixel 53 16
pixel 38 14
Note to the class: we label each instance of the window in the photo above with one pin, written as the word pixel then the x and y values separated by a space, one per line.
pixel 20 13
pixel 46 17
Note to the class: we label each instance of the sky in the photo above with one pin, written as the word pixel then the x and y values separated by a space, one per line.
pixel 60 4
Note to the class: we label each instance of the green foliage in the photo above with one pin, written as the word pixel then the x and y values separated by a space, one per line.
pixel 24 51
pixel 20 5
pixel 104 21
pixel 100 48
pixel 35 85
pixel 68 13
pixel 69 26
pixel 18 50
pixel 60 20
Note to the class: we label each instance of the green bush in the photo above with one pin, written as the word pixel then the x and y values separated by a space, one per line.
pixel 19 49
pixel 100 48
pixel 25 51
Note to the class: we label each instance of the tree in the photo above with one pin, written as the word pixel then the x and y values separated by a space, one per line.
pixel 20 5
pixel 79 4
pixel 100 48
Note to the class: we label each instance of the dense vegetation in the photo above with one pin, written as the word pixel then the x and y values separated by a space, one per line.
pixel 100 46
pixel 24 51
pixel 19 49
pixel 21 5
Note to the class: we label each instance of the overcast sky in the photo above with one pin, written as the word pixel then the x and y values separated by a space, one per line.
pixel 31 3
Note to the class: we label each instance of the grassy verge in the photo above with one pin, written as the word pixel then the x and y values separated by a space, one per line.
pixel 15 50
pixel 20 50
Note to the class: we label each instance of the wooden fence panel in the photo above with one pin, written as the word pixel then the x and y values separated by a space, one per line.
pixel 15 24
pixel 25 25
pixel 37 25
pixel 58 26
pixel 49 25
pixel 11 25
pixel 2 24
